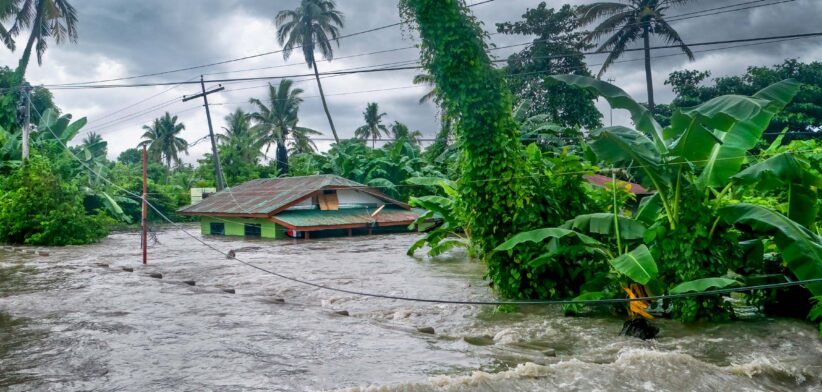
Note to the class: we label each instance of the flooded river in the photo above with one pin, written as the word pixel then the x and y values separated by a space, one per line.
pixel 67 323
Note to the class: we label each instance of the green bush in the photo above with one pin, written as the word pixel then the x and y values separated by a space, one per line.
pixel 38 208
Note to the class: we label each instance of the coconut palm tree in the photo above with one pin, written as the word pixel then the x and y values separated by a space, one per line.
pixel 241 136
pixel 433 94
pixel 55 19
pixel 400 131
pixel 162 140
pixel 312 26
pixel 627 22
pixel 95 144
pixel 373 128
pixel 301 142
pixel 278 119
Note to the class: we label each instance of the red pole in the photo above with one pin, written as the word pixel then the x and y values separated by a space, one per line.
pixel 145 210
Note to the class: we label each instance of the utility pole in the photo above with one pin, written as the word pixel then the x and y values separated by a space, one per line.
pixel 218 170
pixel 145 208
pixel 611 109
pixel 25 89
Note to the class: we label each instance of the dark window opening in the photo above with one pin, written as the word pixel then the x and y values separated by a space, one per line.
pixel 253 230
pixel 217 228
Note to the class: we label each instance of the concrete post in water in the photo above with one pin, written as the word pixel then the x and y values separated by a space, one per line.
pixel 144 239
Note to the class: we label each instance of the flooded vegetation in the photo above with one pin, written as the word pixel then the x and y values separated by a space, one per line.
pixel 76 321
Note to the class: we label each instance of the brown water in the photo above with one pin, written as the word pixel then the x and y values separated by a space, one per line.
pixel 68 324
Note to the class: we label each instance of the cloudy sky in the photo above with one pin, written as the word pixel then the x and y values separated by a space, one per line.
pixel 121 38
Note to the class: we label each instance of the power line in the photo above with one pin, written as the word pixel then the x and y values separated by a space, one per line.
pixel 403 68
pixel 239 58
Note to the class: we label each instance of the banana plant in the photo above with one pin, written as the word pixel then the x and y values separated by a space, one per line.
pixel 447 232
pixel 703 148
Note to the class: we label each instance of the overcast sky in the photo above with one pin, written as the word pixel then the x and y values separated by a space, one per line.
pixel 121 38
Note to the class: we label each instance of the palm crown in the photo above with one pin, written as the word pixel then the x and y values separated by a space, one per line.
pixel 162 140
pixel 373 128
pixel 311 26
pixel 625 23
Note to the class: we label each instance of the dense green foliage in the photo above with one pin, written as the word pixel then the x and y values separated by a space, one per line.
pixel 38 208
pixel 803 114
pixel 556 49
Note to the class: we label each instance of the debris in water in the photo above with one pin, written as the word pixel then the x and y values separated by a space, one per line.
pixel 230 291
pixel 104 265
pixel 43 253
pixel 156 275
pixel 639 327
pixel 342 313
pixel 128 269
pixel 190 282
pixel 428 330
pixel 231 254
pixel 549 352
pixel 482 340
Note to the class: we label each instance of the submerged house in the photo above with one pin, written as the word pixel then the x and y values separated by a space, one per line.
pixel 302 207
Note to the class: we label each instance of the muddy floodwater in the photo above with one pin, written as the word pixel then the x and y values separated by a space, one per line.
pixel 67 324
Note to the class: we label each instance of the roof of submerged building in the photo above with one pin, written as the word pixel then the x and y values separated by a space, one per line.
pixel 268 196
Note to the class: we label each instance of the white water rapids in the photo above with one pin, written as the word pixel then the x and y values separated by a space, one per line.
pixel 68 324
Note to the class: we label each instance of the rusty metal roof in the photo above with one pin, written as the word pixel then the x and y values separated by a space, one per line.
pixel 267 195
pixel 600 181
pixel 346 217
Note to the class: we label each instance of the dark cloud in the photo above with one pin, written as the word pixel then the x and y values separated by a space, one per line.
pixel 124 37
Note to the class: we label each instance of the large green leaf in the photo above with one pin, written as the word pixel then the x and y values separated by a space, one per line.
pixel 619 99
pixel 540 235
pixel 700 285
pixel 689 139
pixel 649 208
pixel 621 145
pixel 739 123
pixel 783 171
pixel 801 249
pixel 637 264
pixel 603 223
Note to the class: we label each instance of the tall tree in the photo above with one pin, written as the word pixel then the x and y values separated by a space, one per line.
pixel 277 119
pixel 163 141
pixel 95 144
pixel 55 19
pixel 240 136
pixel 312 26
pixel 556 49
pixel 301 142
pixel 627 22
pixel 400 131
pixel 373 128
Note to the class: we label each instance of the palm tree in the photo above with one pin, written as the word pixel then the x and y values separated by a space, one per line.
pixel 279 118
pixel 627 22
pixel 400 131
pixel 301 142
pixel 47 18
pixel 240 135
pixel 95 144
pixel 162 140
pixel 428 80
pixel 373 128
pixel 312 26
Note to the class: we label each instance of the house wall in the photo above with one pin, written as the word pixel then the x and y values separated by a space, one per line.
pixel 236 226
pixel 346 198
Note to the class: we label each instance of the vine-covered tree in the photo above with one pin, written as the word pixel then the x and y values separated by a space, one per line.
pixel 556 49
pixel 163 141
pixel 627 22
pixel 312 26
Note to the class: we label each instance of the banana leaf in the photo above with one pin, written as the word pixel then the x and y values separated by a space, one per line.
pixel 700 285
pixel 603 223
pixel 619 145
pixel 801 249
pixel 739 123
pixel 637 264
pixel 540 235
pixel 619 99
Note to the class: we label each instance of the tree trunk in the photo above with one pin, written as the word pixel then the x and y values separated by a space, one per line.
pixel 648 77
pixel 325 105
pixel 20 72
pixel 282 158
